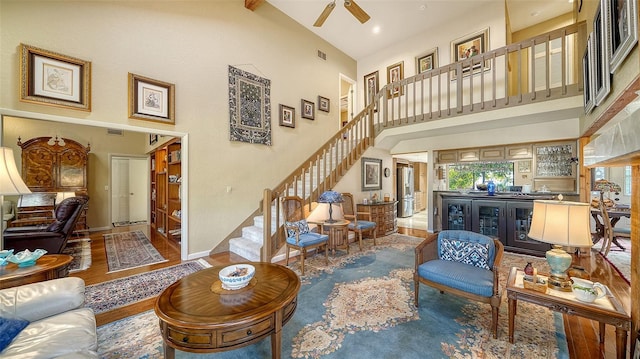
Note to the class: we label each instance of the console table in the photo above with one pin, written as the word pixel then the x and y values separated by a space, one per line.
pixel 384 214
pixel 197 315
pixel 606 310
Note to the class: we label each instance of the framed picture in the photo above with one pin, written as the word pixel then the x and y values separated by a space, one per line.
pixel 287 116
pixel 371 87
pixel 153 139
pixel 622 29
pixel 524 166
pixel 600 61
pixel 151 100
pixel 427 61
pixel 395 73
pixel 469 46
pixel 371 174
pixel 308 109
pixel 587 75
pixel 53 79
pixel 323 104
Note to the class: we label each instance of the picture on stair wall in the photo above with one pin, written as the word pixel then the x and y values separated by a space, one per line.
pixel 371 174
pixel 395 73
pixel 600 60
pixel 308 109
pixel 249 107
pixel 371 88
pixel 427 61
pixel 623 29
pixel 287 116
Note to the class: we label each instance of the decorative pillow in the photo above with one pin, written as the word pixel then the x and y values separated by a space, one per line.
pixel 9 328
pixel 302 225
pixel 473 253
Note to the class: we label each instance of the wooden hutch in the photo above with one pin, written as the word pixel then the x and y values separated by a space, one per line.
pixel 166 187
pixel 51 167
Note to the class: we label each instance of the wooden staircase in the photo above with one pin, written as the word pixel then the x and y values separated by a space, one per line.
pixel 543 68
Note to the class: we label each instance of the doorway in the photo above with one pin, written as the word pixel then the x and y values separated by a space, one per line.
pixel 129 190
pixel 347 99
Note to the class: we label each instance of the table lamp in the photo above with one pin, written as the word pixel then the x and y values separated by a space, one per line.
pixel 10 181
pixel 603 186
pixel 560 223
pixel 330 197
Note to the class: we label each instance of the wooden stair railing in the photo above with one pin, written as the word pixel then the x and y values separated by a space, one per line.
pixel 495 79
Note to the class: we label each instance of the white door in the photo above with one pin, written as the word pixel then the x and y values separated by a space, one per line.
pixel 129 187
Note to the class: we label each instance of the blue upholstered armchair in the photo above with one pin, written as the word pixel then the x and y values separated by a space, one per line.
pixel 297 233
pixel 462 263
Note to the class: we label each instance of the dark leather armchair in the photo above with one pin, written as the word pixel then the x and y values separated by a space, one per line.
pixel 53 237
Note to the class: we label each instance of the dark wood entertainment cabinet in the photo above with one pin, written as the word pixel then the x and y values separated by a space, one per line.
pixel 384 214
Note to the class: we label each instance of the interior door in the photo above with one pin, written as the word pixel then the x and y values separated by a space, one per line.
pixel 138 188
pixel 119 189
pixel 129 187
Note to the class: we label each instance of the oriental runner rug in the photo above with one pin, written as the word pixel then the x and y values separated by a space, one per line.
pixel 361 306
pixel 117 293
pixel 80 250
pixel 128 250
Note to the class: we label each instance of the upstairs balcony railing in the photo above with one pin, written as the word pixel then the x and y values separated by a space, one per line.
pixel 543 68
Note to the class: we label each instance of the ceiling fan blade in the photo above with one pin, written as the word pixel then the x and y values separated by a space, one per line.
pixel 356 11
pixel 325 14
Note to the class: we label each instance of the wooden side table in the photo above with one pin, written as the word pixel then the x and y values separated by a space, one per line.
pixel 606 310
pixel 338 234
pixel 49 266
pixel 197 315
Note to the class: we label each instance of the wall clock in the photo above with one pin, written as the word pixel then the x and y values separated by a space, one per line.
pixel 387 172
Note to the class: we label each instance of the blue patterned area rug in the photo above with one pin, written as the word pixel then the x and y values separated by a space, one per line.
pixel 106 296
pixel 361 306
pixel 128 250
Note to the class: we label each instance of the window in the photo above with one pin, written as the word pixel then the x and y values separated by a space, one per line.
pixel 627 181
pixel 466 176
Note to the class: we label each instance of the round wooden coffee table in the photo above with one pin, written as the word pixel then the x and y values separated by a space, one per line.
pixel 197 315
pixel 49 266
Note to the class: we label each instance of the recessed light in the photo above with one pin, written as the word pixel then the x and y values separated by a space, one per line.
pixel 376 29
pixel 535 13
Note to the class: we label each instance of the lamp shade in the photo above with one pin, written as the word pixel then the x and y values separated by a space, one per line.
pixel 10 181
pixel 562 223
pixel 330 197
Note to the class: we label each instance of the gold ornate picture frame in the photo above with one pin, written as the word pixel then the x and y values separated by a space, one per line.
pixel 151 100
pixel 53 79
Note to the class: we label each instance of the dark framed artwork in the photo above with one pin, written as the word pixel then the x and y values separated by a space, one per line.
pixel 622 29
pixel 427 61
pixel 323 104
pixel 371 174
pixel 153 139
pixel 53 79
pixel 469 46
pixel 587 75
pixel 151 100
pixel 371 87
pixel 287 116
pixel 249 107
pixel 395 73
pixel 600 60
pixel 308 109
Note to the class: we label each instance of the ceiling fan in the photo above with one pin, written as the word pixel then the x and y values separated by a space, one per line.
pixel 350 5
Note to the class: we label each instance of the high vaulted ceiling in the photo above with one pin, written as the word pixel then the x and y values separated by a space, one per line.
pixel 398 19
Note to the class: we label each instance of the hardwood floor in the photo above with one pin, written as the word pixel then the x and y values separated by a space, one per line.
pixel 582 334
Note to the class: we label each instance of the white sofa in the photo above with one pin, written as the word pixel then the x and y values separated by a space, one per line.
pixel 59 327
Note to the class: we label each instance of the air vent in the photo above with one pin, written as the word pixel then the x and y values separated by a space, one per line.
pixel 115 132
pixel 322 55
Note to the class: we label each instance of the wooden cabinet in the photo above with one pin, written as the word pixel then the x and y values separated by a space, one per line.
pixel 56 166
pixel 448 156
pixel 469 155
pixel 517 152
pixel 456 214
pixel 166 188
pixel 492 154
pixel 384 214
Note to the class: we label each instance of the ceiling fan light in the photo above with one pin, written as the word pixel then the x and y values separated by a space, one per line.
pixel 325 14
pixel 356 11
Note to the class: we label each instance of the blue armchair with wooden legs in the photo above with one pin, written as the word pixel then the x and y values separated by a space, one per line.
pixel 461 263
pixel 297 233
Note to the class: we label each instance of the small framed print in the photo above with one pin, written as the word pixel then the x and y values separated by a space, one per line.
pixel 600 60
pixel 323 104
pixel 49 78
pixel 371 174
pixel 308 109
pixel 153 139
pixel 371 87
pixel 151 100
pixel 524 166
pixel 623 29
pixel 395 73
pixel 287 116
pixel 427 61
pixel 469 46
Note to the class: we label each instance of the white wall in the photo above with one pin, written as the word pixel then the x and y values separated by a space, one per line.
pixel 190 44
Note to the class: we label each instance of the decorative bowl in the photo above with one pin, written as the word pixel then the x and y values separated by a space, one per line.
pixel 4 255
pixel 481 186
pixel 26 258
pixel 236 276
